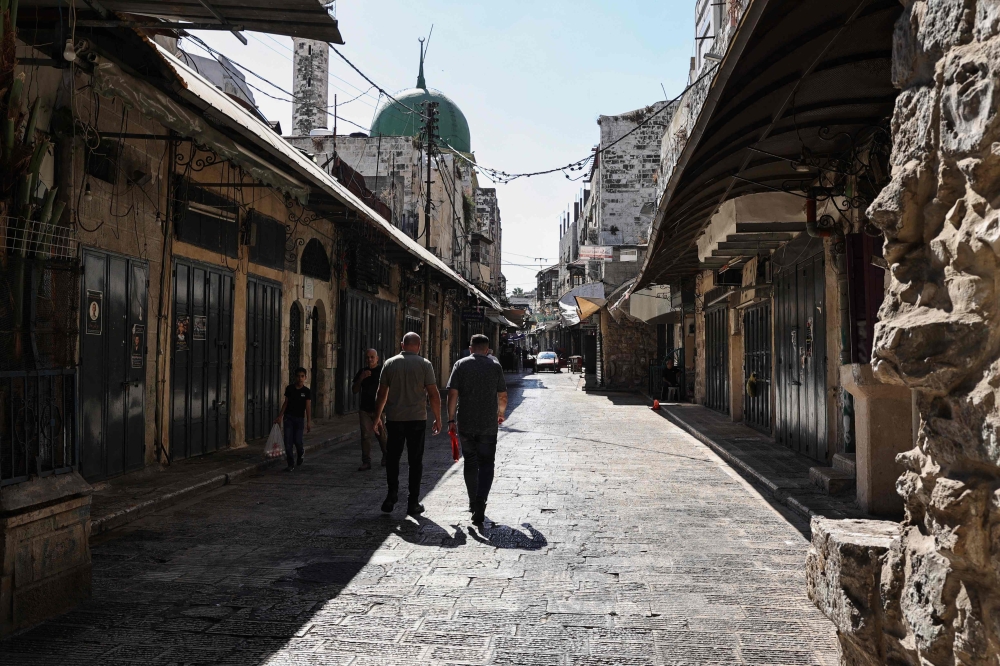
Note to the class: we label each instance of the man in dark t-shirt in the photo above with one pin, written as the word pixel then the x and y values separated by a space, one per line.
pixel 478 392
pixel 297 413
pixel 366 383
pixel 671 380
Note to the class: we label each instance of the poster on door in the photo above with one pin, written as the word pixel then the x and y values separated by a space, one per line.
pixel 182 333
pixel 138 345
pixel 200 327
pixel 95 312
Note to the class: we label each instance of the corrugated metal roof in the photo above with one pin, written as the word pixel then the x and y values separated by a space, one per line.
pixel 202 92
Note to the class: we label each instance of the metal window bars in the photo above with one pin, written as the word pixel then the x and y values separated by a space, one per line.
pixel 38 239
pixel 37 424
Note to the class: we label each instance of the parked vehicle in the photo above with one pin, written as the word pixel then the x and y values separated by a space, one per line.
pixel 547 361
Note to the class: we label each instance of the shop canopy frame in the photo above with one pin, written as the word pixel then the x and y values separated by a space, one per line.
pixel 800 81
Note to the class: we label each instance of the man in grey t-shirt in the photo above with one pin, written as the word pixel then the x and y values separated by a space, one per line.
pixel 478 392
pixel 406 384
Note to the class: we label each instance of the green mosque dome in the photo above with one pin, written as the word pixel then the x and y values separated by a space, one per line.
pixel 403 119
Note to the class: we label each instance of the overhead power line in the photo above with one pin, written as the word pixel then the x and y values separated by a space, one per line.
pixel 504 177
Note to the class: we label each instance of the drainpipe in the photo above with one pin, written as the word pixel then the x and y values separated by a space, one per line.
pixel 161 314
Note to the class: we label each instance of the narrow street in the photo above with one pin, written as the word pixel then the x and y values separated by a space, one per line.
pixel 615 539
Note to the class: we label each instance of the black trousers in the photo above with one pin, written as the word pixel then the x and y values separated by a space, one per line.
pixel 480 451
pixel 411 435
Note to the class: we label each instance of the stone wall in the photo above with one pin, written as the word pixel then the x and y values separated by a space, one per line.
pixel 939 332
pixel 628 346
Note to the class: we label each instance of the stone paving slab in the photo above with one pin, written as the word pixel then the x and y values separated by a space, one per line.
pixel 127 498
pixel 782 472
pixel 613 539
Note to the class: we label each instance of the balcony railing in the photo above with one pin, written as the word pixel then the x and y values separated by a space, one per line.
pixel 38 434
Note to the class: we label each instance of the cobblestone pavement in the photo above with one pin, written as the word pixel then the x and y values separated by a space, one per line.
pixel 615 539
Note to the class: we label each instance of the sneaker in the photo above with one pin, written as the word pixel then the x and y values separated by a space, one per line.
pixel 365 467
pixel 387 505
pixel 290 468
pixel 479 515
pixel 414 509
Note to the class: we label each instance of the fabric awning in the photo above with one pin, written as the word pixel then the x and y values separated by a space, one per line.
pixel 800 79
pixel 299 169
pixel 588 305
pixel 308 19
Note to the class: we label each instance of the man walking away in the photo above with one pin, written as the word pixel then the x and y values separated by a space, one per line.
pixel 297 413
pixel 478 390
pixel 406 383
pixel 366 383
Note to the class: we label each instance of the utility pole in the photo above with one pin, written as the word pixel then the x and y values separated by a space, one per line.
pixel 430 131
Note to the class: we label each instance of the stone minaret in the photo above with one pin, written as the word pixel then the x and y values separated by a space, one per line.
pixel 310 85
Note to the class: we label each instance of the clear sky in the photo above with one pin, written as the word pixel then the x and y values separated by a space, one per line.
pixel 531 78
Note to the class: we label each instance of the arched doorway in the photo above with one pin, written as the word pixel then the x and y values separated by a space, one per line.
pixel 294 340
pixel 318 354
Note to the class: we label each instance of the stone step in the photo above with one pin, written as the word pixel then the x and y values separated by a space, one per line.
pixel 831 480
pixel 845 463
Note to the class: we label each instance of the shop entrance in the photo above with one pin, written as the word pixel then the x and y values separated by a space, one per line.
pixel 800 344
pixel 717 359
pixel 757 365
pixel 201 360
pixel 263 356
pixel 113 364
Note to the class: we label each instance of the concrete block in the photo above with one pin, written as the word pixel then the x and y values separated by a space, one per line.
pixel 830 480
pixel 845 462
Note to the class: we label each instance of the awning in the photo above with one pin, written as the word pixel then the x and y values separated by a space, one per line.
pixel 223 110
pixel 501 320
pixel 308 19
pixel 800 78
pixel 568 314
pixel 587 306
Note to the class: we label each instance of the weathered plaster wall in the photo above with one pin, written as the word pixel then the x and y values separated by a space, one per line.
pixel 939 583
pixel 627 174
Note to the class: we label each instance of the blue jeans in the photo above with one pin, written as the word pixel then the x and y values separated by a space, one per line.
pixel 480 452
pixel 295 428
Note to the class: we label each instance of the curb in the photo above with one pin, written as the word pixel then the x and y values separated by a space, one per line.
pixel 759 479
pixel 145 507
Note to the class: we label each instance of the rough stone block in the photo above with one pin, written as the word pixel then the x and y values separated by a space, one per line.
pixel 831 480
pixel 843 575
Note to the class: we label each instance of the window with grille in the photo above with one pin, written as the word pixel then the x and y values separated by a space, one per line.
pixel 102 160
pixel 267 240
pixel 207 220
pixel 315 262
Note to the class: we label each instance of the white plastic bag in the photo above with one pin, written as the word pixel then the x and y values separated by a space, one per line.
pixel 275 447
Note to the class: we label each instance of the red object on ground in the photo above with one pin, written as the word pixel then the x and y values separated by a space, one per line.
pixel 455 450
pixel 656 404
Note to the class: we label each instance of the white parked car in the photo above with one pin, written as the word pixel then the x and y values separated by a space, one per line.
pixel 547 361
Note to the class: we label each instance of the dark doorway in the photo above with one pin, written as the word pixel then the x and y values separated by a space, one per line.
pixel 294 340
pixel 314 378
pixel 365 323
pixel 590 353
pixel 717 359
pixel 263 357
pixel 201 344
pixel 113 365
pixel 800 343
pixel 757 363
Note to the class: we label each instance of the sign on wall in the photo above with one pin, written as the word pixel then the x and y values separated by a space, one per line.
pixel 628 255
pixel 597 252
pixel 95 312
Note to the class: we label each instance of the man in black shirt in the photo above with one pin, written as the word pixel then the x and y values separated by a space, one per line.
pixel 297 413
pixel 671 380
pixel 478 393
pixel 366 383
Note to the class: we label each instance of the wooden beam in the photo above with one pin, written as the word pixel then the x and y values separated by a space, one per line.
pixel 752 227
pixel 763 237
pixel 750 247
pixel 731 253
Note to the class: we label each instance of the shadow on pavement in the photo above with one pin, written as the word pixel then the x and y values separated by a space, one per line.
pixel 502 536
